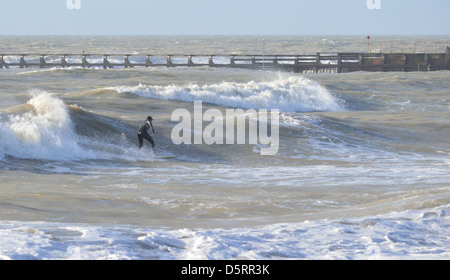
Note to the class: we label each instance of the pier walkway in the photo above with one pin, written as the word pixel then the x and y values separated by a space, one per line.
pixel 319 62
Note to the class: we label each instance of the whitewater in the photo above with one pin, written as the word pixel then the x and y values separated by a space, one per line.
pixel 362 170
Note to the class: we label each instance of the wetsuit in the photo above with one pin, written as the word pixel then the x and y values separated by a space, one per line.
pixel 143 133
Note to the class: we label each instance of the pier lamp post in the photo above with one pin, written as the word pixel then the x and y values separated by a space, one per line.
pixel 368 44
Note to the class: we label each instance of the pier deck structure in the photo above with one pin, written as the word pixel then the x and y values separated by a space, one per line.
pixel 319 62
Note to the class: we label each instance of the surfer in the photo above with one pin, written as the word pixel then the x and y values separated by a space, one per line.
pixel 143 133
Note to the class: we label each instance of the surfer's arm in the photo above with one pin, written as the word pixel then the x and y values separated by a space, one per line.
pixel 153 130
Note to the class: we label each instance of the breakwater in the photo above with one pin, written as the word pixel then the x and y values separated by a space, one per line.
pixel 319 62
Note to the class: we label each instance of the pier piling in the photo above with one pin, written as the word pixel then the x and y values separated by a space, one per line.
pixel 319 62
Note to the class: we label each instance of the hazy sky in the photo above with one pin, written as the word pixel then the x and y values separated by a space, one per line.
pixel 224 17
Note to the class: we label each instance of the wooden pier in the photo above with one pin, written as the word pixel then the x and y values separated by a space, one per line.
pixel 319 62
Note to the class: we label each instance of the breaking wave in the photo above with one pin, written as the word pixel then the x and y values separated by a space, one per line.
pixel 44 129
pixel 288 94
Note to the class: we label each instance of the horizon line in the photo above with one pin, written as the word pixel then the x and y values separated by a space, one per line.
pixel 223 35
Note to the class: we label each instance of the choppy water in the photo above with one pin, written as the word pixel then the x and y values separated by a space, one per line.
pixel 362 169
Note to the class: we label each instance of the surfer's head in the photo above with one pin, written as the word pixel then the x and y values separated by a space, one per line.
pixel 149 118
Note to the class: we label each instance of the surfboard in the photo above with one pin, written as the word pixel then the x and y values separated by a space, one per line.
pixel 167 157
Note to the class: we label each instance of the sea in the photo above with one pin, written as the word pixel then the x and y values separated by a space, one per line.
pixel 362 170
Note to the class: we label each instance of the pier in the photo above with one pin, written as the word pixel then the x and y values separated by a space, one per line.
pixel 319 62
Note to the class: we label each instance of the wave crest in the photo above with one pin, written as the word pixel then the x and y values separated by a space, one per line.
pixel 287 94
pixel 45 131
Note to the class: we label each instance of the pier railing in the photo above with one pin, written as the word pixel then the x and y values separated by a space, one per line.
pixel 319 62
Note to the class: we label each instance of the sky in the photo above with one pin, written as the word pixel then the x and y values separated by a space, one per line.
pixel 224 17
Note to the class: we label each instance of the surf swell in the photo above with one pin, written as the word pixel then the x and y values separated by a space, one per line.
pixel 288 94
pixel 40 129
pixel 46 129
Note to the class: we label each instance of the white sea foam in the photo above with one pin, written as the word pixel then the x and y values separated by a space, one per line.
pixel 413 234
pixel 288 94
pixel 46 132
pixel 45 70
